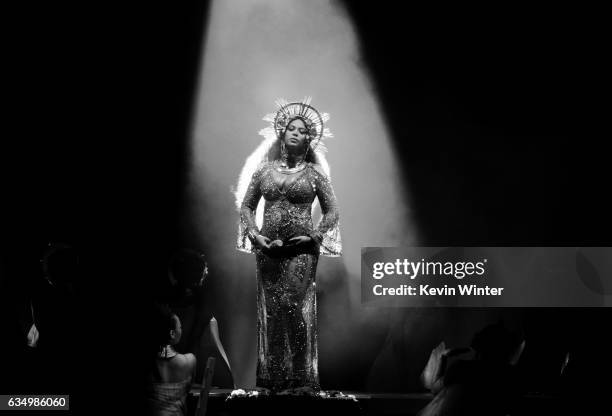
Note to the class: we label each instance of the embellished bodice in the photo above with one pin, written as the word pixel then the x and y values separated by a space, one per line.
pixel 288 207
pixel 298 188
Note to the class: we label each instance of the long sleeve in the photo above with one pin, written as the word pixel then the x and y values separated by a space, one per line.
pixel 247 227
pixel 327 232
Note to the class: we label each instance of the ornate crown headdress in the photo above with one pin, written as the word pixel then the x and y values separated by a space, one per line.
pixel 287 111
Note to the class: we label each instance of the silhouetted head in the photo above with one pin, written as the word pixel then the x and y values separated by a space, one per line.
pixel 167 326
pixel 495 343
pixel 187 268
pixel 187 271
pixel 60 263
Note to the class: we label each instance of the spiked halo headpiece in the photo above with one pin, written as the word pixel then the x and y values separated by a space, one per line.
pixel 288 111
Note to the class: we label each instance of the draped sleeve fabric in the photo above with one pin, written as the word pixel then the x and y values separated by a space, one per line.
pixel 327 232
pixel 247 227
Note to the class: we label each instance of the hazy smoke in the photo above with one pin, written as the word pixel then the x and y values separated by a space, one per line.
pixel 256 52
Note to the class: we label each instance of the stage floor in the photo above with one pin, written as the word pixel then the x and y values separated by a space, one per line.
pixel 367 404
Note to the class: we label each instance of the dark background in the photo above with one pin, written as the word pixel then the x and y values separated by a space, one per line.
pixel 510 101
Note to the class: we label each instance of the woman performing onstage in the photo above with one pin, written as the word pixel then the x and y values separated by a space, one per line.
pixel 289 171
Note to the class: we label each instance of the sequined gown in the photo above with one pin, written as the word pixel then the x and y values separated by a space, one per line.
pixel 286 289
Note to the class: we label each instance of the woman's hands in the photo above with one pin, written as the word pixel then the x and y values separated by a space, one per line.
pixel 267 245
pixel 299 240
pixel 262 241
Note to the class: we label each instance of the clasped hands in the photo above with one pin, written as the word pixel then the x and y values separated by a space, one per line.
pixel 267 244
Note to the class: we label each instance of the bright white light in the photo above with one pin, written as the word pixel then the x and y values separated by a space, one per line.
pixel 256 52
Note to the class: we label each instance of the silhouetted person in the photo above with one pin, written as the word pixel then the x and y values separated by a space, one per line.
pixel 172 373
pixel 485 385
pixel 186 295
pixel 53 334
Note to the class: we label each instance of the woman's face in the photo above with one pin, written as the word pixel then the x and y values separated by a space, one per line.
pixel 296 135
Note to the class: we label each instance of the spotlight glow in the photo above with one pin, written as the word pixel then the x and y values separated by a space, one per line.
pixel 256 52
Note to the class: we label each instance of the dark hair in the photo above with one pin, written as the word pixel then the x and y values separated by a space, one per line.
pixel 495 342
pixel 163 323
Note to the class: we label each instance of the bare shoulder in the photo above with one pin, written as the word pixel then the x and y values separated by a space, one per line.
pixel 190 359
pixel 185 364
pixel 185 360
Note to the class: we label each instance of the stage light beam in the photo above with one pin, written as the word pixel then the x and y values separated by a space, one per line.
pixel 256 52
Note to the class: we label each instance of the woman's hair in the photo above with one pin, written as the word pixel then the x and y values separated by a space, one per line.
pixel 163 323
pixel 275 150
